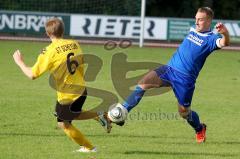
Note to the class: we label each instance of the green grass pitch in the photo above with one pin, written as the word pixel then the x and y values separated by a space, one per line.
pixel 28 128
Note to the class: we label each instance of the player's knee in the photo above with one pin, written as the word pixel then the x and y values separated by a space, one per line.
pixel 64 125
pixel 150 80
pixel 143 86
pixel 184 112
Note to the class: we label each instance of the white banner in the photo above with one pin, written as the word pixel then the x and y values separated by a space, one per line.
pixel 117 27
pixel 28 22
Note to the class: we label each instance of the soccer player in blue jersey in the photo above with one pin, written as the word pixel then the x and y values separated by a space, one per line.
pixel 183 68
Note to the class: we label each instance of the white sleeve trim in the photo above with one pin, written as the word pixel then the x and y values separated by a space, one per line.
pixel 218 43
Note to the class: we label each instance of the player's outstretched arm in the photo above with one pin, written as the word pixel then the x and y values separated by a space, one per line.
pixel 225 40
pixel 18 58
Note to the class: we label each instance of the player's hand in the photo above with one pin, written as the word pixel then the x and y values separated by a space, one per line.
pixel 221 28
pixel 18 58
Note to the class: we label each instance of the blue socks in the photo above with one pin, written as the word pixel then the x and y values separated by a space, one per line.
pixel 193 120
pixel 134 98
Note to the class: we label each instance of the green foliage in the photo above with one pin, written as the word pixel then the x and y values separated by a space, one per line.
pixel 187 8
pixel 156 8
pixel 115 7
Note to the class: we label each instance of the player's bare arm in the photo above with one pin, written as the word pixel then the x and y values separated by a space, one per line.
pixel 18 58
pixel 221 28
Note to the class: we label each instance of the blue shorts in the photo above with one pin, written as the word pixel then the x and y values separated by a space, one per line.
pixel 183 85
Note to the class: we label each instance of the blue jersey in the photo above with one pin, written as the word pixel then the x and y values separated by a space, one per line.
pixel 190 57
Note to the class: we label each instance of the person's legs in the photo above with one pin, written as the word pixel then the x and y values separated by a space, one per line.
pixel 193 120
pixel 73 133
pixel 101 117
pixel 183 88
pixel 65 114
pixel 184 95
pixel 191 117
pixel 150 80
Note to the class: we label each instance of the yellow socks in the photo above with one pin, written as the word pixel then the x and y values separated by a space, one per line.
pixel 78 137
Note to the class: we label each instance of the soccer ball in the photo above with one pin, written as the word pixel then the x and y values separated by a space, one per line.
pixel 117 113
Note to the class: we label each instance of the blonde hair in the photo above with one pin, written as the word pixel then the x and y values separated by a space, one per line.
pixel 54 27
pixel 207 10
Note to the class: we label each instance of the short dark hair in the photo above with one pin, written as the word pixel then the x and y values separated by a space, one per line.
pixel 55 27
pixel 208 11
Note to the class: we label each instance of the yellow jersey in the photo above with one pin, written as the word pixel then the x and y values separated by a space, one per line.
pixel 64 60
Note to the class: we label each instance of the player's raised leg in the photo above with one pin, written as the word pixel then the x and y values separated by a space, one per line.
pixel 104 121
pixel 100 117
pixel 119 112
pixel 150 80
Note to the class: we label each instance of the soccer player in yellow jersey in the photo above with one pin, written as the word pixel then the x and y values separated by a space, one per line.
pixel 63 59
